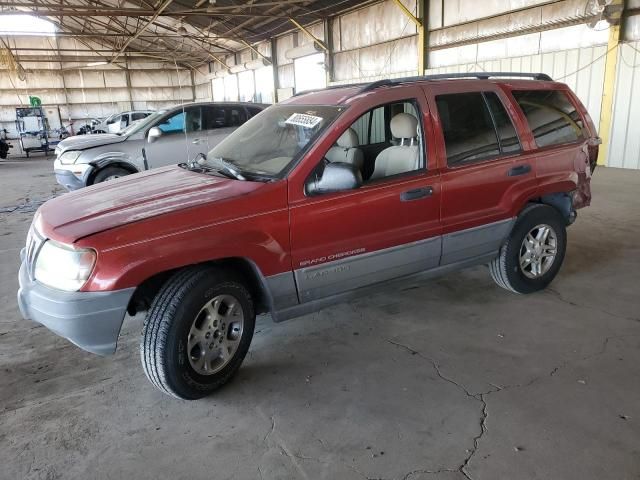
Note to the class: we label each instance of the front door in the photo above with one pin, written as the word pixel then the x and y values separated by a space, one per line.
pixel 387 228
pixel 181 140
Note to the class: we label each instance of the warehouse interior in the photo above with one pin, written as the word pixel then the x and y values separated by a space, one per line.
pixel 449 378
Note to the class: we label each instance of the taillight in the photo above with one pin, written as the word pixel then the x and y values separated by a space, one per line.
pixel 594 147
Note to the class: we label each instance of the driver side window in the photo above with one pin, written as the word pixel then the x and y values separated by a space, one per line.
pixel 384 142
pixel 173 124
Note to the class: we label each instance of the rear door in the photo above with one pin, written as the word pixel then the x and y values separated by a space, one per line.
pixel 484 170
pixel 221 121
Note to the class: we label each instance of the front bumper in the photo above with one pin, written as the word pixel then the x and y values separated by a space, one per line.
pixel 72 177
pixel 90 320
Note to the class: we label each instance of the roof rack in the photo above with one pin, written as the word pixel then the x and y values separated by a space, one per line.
pixel 367 87
pixel 330 87
pixel 443 76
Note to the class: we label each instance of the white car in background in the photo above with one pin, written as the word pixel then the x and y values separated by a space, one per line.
pixel 119 121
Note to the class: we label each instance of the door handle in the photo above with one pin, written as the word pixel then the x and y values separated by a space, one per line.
pixel 416 194
pixel 196 141
pixel 519 170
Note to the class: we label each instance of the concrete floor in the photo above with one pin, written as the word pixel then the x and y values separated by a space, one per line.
pixel 445 379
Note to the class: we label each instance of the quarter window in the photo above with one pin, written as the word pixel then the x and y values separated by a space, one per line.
pixel 552 117
pixel 469 134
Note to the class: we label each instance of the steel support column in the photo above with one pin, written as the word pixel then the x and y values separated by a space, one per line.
pixel 616 9
pixel 274 66
pixel 423 36
pixel 328 40
pixel 421 25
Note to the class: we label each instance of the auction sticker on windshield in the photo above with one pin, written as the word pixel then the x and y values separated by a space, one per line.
pixel 303 120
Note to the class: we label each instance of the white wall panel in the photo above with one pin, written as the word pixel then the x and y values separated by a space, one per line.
pixel 377 61
pixel 245 55
pixel 203 92
pixel 624 146
pixel 572 37
pixel 107 95
pixel 286 76
pixel 317 30
pixel 460 11
pixel 282 45
pixel 378 23
pixel 166 78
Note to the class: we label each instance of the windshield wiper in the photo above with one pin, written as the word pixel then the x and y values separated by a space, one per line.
pixel 227 168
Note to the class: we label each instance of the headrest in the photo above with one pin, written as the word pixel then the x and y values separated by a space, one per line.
pixel 404 125
pixel 349 139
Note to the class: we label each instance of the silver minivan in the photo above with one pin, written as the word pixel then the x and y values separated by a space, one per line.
pixel 164 138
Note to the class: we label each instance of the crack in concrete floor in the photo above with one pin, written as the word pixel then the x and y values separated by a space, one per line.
pixel 480 397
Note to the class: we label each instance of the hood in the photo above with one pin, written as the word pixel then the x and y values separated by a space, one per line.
pixel 129 199
pixel 82 142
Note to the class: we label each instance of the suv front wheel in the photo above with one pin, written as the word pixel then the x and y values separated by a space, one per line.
pixel 533 254
pixel 110 173
pixel 197 332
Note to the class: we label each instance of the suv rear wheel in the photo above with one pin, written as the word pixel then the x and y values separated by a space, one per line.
pixel 197 332
pixel 533 254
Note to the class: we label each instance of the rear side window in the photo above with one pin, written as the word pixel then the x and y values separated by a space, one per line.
pixel 236 116
pixel 509 142
pixel 552 117
pixel 253 111
pixel 214 117
pixel 138 116
pixel 469 135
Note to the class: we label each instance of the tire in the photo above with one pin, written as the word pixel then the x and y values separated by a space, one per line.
pixel 172 357
pixel 110 173
pixel 527 267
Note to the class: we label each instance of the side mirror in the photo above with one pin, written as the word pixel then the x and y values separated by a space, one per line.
pixel 336 177
pixel 154 134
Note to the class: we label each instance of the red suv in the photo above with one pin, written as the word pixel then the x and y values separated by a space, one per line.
pixel 320 195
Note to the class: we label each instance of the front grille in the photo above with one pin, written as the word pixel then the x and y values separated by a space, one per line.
pixel 34 243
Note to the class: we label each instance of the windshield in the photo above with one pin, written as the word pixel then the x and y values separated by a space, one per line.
pixel 138 125
pixel 272 140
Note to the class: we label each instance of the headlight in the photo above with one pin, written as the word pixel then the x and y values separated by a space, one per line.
pixel 62 267
pixel 68 158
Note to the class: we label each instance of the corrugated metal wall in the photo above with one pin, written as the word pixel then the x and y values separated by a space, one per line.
pixel 373 43
pixel 580 68
pixel 88 92
pixel 624 149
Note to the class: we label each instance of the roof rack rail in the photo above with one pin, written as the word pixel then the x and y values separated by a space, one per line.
pixel 378 83
pixel 367 87
pixel 443 76
pixel 486 75
pixel 330 87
